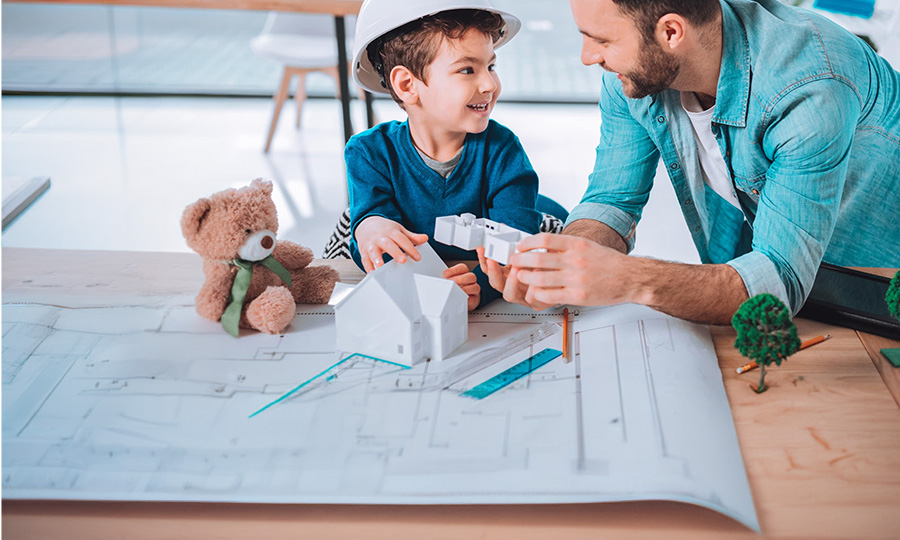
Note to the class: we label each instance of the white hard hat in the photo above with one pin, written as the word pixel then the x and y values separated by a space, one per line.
pixel 378 17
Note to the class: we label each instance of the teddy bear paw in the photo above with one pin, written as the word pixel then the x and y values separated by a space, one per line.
pixel 313 284
pixel 272 311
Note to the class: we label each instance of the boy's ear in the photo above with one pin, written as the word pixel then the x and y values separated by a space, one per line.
pixel 404 83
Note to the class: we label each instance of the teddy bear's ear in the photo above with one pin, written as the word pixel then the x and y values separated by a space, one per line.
pixel 193 217
pixel 263 184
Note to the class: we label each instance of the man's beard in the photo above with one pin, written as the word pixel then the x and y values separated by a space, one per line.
pixel 656 73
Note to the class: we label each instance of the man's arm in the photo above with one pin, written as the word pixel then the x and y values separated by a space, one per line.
pixel 583 271
pixel 624 168
pixel 597 231
pixel 671 287
pixel 809 142
pixel 703 293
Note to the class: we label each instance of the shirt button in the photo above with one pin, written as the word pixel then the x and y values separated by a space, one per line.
pixel 661 119
pixel 688 202
pixel 697 229
pixel 674 166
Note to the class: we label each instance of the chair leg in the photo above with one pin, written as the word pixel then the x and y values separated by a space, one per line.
pixel 333 73
pixel 300 95
pixel 280 96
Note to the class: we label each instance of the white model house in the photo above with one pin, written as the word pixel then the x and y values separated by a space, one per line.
pixel 402 313
pixel 465 231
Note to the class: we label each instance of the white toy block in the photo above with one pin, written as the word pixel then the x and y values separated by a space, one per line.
pixel 459 231
pixel 467 232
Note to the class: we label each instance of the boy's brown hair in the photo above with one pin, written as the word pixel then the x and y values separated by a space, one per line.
pixel 415 45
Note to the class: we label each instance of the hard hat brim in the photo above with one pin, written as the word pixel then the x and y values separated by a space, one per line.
pixel 367 77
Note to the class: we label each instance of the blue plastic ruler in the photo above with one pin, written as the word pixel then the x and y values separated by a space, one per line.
pixel 512 374
pixel 331 373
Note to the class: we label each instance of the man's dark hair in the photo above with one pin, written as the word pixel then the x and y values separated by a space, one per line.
pixel 646 13
pixel 415 45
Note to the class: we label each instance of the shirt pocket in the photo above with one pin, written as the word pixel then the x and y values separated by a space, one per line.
pixel 751 186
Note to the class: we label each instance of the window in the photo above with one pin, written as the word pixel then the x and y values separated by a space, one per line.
pixel 150 50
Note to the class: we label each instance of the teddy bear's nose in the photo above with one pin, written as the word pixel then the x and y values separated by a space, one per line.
pixel 257 246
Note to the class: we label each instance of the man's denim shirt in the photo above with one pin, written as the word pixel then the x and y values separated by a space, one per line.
pixel 807 118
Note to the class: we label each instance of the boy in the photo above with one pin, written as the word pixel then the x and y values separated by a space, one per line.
pixel 448 158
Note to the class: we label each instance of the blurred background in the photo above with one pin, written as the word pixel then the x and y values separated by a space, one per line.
pixel 91 48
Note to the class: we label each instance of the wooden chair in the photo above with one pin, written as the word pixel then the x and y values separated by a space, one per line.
pixel 303 43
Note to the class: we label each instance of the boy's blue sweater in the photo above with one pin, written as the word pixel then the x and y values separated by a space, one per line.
pixel 493 179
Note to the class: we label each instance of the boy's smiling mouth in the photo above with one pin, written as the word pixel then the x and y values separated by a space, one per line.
pixel 479 107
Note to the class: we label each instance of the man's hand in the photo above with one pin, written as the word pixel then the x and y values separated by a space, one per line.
pixel 376 236
pixel 581 272
pixel 563 269
pixel 467 281
pixel 505 279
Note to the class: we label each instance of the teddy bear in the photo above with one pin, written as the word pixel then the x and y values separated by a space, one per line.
pixel 252 281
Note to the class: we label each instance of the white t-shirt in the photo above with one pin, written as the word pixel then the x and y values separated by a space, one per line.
pixel 712 164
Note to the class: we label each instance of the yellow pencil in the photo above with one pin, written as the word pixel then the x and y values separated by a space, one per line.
pixel 565 350
pixel 808 343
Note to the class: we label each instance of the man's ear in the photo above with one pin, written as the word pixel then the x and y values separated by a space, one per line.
pixel 404 83
pixel 670 30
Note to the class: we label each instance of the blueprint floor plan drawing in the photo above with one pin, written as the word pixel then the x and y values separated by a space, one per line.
pixel 146 401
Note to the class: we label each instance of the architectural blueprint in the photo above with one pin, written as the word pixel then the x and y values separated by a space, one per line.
pixel 146 401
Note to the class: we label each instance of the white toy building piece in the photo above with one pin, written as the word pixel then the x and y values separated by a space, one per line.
pixel 403 313
pixel 467 232
pixel 459 231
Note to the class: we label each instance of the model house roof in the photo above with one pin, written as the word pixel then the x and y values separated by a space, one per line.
pixel 404 286
pixel 433 294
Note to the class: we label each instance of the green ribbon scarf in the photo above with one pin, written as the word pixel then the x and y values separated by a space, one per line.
pixel 232 315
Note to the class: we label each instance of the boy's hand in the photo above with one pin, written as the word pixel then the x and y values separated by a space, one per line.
pixel 467 281
pixel 376 236
pixel 498 275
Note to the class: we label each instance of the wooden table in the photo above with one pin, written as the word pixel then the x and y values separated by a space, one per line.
pixel 820 447
pixel 338 8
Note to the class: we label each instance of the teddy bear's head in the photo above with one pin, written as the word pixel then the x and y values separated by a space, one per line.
pixel 234 223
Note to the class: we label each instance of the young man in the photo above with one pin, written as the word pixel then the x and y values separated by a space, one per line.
pixel 448 158
pixel 780 132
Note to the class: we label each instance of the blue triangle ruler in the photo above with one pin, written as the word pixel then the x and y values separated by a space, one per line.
pixel 512 374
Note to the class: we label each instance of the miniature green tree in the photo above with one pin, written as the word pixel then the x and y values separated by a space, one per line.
pixel 893 301
pixel 893 296
pixel 765 333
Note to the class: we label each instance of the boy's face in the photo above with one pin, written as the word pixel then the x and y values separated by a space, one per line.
pixel 462 85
